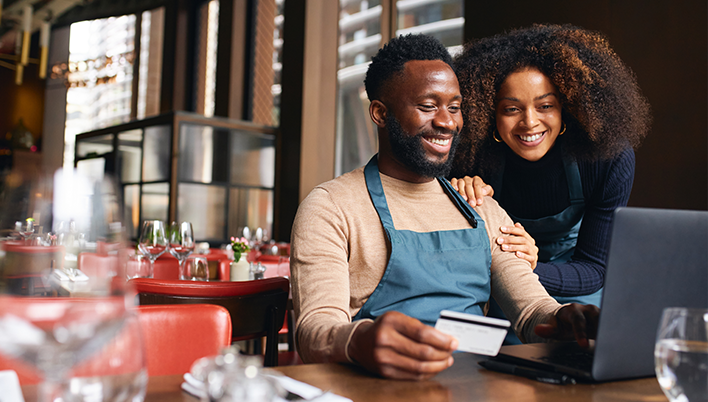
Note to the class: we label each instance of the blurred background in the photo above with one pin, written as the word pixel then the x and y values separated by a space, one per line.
pixel 226 113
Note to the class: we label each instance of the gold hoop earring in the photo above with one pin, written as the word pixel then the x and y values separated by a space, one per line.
pixel 563 130
pixel 494 135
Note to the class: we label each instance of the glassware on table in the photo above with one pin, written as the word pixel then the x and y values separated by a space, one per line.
pixel 85 346
pixel 681 354
pixel 196 268
pixel 153 242
pixel 181 243
pixel 138 267
pixel 25 229
pixel 284 266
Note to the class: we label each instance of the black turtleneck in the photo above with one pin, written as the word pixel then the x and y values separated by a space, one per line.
pixel 537 189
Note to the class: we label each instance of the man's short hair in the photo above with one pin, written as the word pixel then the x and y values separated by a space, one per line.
pixel 390 60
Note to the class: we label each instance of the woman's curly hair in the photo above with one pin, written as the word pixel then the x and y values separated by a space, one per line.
pixel 603 107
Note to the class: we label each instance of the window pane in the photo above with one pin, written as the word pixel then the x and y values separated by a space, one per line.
pixel 443 19
pixel 156 157
pixel 131 211
pixel 92 168
pixel 205 207
pixel 150 70
pixel 207 44
pixel 359 38
pixel 250 207
pixel 130 155
pixel 359 24
pixel 155 201
pixel 252 160
pixel 100 77
pixel 92 146
pixel 203 154
pixel 267 62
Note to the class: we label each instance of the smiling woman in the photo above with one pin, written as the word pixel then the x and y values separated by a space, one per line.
pixel 552 116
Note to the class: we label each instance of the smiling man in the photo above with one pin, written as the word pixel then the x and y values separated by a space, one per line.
pixel 380 251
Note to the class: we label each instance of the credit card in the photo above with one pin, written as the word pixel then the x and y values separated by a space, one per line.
pixel 476 334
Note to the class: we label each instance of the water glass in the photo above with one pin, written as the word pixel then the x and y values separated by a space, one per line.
pixel 681 354
pixel 181 242
pixel 195 269
pixel 138 267
pixel 153 242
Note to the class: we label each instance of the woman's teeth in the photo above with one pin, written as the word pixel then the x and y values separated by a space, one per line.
pixel 437 141
pixel 530 138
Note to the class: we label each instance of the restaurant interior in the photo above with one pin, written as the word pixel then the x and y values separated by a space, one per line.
pixel 224 115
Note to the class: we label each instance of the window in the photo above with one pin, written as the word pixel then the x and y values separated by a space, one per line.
pixel 100 77
pixel 360 36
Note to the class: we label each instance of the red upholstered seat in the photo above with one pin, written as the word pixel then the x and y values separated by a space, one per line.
pixel 174 336
pixel 257 308
pixel 177 335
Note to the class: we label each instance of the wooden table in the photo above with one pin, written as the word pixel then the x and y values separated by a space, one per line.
pixel 464 381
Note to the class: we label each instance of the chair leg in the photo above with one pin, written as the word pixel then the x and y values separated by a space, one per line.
pixel 291 338
pixel 271 349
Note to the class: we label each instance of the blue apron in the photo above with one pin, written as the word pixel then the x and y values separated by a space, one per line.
pixel 429 272
pixel 555 235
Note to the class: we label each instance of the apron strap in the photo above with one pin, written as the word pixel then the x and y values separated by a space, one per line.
pixel 459 202
pixel 376 192
pixel 572 175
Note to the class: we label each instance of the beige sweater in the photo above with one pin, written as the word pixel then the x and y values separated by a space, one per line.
pixel 340 253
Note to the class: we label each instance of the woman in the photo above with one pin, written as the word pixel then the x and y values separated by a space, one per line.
pixel 552 116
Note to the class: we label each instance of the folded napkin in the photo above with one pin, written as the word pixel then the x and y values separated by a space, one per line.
pixel 76 276
pixel 296 388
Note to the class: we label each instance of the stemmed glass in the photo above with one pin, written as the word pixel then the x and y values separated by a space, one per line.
pixel 681 354
pixel 181 244
pixel 25 229
pixel 153 242
pixel 81 347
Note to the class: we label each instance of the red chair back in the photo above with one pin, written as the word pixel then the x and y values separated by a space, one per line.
pixel 177 335
pixel 97 265
pixel 166 268
pixel 257 308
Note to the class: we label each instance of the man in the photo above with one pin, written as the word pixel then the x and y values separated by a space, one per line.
pixel 380 251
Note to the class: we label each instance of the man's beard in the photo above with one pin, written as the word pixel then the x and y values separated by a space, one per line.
pixel 409 150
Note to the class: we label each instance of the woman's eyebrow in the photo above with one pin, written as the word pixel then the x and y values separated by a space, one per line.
pixel 544 96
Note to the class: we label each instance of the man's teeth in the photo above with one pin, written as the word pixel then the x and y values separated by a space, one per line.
pixel 530 138
pixel 438 141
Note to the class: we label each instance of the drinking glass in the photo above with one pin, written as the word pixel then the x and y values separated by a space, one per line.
pixel 25 229
pixel 284 266
pixel 138 267
pixel 681 354
pixel 153 242
pixel 181 243
pixel 83 346
pixel 196 269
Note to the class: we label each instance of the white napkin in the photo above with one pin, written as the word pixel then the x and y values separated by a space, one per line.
pixel 193 386
pixel 196 388
pixel 78 276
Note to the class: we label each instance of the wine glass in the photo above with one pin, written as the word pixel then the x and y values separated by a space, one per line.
pixel 681 354
pixel 25 229
pixel 83 345
pixel 181 244
pixel 153 242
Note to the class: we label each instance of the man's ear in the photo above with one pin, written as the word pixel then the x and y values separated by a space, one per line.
pixel 377 112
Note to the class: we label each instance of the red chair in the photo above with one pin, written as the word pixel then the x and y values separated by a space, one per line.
pixel 97 265
pixel 177 335
pixel 257 308
pixel 174 337
pixel 272 271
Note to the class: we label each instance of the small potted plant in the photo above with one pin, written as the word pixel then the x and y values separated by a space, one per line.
pixel 240 268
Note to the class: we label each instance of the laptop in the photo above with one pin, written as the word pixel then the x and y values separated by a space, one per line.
pixel 657 258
